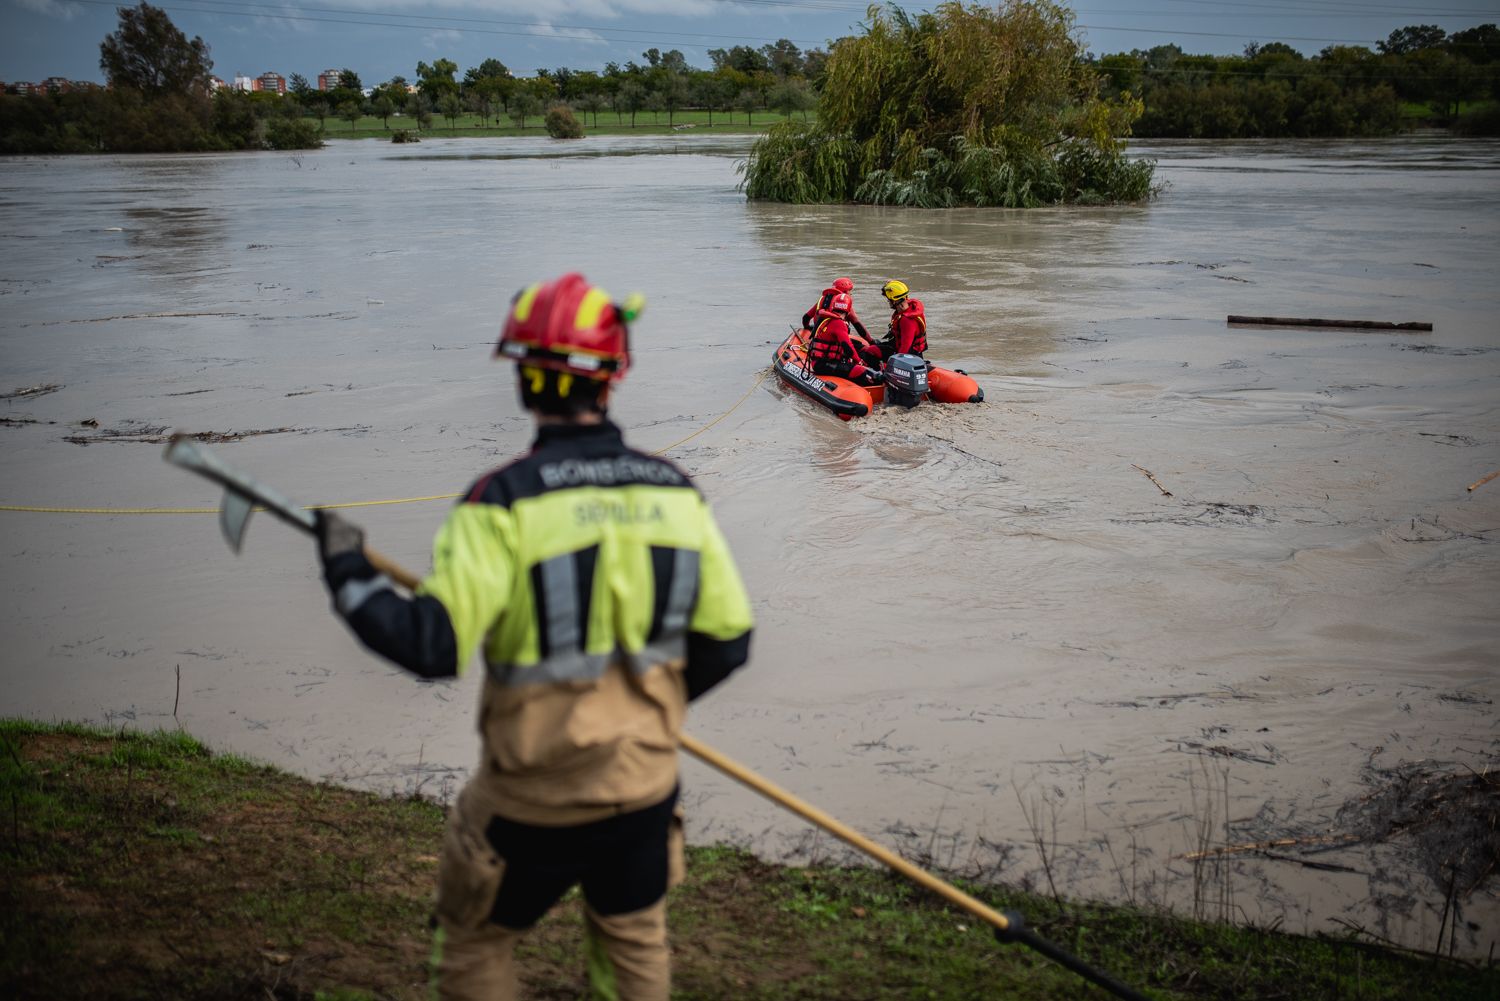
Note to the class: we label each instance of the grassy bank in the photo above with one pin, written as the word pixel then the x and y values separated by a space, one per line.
pixel 138 866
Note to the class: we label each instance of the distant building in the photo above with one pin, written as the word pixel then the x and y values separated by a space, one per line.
pixel 328 79
pixel 25 89
pixel 215 84
pixel 57 85
pixel 273 83
pixel 243 82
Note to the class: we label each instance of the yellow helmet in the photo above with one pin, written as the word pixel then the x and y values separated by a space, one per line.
pixel 894 291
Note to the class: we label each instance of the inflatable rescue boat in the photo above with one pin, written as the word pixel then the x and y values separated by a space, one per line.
pixel 909 380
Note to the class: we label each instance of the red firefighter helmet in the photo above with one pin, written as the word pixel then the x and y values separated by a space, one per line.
pixel 844 284
pixel 841 303
pixel 568 325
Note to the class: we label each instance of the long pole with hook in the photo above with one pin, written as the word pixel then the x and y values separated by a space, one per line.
pixel 243 496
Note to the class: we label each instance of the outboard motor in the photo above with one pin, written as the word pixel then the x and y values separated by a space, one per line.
pixel 905 380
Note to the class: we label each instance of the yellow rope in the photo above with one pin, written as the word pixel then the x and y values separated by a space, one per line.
pixel 377 503
pixel 346 504
pixel 758 380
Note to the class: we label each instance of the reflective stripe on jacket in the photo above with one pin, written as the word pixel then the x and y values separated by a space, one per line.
pixel 602 593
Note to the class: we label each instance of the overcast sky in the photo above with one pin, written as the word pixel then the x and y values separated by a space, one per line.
pixel 381 38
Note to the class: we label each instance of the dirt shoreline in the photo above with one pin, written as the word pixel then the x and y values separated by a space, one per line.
pixel 143 865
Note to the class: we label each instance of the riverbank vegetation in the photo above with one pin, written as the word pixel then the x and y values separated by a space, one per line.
pixel 965 105
pixel 744 91
pixel 1419 76
pixel 143 865
pixel 865 91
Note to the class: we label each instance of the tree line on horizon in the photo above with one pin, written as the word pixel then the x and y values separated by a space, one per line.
pixel 1274 91
pixel 774 76
pixel 159 96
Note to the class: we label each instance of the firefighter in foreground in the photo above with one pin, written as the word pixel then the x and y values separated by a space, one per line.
pixel 604 599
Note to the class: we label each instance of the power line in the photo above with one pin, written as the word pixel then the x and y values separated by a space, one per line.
pixel 1290 12
pixel 1317 70
pixel 462 20
pixel 1352 7
pixel 1229 34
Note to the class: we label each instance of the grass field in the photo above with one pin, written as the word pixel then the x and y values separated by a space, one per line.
pixel 646 123
pixel 144 866
pixel 1414 111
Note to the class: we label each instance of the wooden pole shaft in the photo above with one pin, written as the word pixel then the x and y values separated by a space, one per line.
pixel 392 569
pixel 817 817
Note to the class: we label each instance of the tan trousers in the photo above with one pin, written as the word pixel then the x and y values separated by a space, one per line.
pixel 627 959
pixel 474 958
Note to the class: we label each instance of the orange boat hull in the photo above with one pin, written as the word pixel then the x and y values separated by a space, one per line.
pixel 849 399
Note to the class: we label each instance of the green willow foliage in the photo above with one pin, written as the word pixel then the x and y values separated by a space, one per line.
pixel 966 105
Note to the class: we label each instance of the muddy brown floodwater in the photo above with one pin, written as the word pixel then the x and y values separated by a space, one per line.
pixel 982 629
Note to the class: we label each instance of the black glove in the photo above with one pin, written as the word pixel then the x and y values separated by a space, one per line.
pixel 874 376
pixel 337 537
pixel 341 548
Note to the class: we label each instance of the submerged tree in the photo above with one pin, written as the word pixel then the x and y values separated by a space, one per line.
pixel 150 54
pixel 963 105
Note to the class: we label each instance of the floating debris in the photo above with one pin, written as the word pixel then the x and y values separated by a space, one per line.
pixel 160 435
pixel 1466 698
pixel 1446 819
pixel 1238 754
pixel 1164 491
pixel 42 390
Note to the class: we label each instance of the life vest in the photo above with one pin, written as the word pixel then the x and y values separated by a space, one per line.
pixel 826 345
pixel 914 311
pixel 825 301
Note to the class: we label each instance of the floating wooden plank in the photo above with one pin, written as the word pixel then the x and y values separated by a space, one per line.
pixel 1483 480
pixel 1260 846
pixel 1310 321
pixel 1165 492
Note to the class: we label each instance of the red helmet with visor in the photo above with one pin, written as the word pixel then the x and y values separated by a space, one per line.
pixel 568 325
